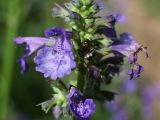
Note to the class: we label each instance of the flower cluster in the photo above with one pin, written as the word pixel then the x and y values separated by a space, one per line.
pixel 91 48
pixel 125 45
pixel 130 48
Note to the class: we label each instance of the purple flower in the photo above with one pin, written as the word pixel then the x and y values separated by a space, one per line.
pixel 80 107
pixel 56 61
pixel 32 44
pixel 55 58
pixel 130 48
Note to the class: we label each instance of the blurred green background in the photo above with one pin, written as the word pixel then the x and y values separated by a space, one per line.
pixel 19 94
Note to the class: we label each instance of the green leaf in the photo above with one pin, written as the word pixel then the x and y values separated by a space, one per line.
pixel 58 99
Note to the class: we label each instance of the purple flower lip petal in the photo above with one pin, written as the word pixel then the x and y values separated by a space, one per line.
pixel 54 65
pixel 80 107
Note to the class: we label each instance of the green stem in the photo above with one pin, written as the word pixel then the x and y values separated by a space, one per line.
pixel 12 21
pixel 63 85
pixel 81 75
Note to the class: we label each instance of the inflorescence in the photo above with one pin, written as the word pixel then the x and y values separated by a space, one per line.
pixel 89 49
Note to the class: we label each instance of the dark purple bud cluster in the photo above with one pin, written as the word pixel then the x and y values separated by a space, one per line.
pixel 81 107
